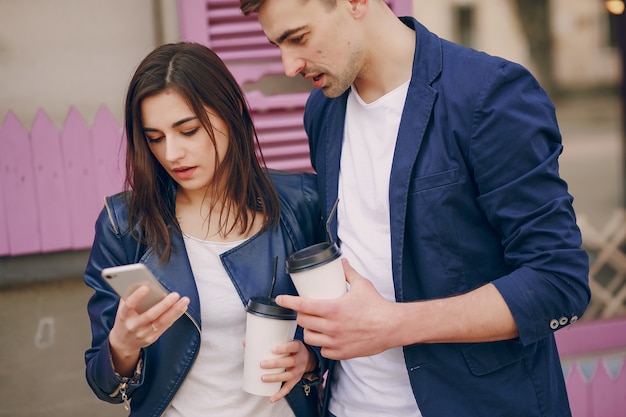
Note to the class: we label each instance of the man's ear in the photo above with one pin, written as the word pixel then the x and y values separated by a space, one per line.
pixel 358 8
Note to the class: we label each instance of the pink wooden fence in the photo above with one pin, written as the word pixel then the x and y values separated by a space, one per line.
pixel 53 182
pixel 593 355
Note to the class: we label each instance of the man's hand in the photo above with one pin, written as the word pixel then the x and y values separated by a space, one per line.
pixel 359 323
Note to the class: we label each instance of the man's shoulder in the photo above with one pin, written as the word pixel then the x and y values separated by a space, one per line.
pixel 116 207
pixel 465 60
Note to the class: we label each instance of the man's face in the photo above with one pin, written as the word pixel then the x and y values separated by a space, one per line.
pixel 317 42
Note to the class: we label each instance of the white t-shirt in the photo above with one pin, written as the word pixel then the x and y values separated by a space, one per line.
pixel 377 385
pixel 213 386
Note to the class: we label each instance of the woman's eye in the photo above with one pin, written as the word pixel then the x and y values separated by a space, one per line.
pixel 154 139
pixel 190 132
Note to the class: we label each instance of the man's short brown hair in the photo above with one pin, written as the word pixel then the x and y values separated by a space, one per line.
pixel 253 6
pixel 250 6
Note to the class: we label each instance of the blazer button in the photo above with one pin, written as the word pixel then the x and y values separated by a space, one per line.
pixel 554 324
pixel 563 321
pixel 573 320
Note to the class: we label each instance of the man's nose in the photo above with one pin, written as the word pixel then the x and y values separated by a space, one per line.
pixel 291 64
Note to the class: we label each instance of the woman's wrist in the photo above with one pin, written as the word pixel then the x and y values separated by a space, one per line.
pixel 313 362
pixel 124 363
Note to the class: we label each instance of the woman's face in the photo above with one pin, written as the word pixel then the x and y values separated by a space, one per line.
pixel 180 143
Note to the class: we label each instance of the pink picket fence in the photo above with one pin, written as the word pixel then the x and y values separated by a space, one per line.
pixel 54 181
pixel 593 354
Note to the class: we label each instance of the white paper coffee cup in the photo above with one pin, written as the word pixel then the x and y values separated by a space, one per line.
pixel 267 325
pixel 317 272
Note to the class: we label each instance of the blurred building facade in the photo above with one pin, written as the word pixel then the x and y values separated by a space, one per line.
pixel 585 51
pixel 55 55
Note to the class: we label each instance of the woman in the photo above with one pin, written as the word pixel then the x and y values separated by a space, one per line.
pixel 208 221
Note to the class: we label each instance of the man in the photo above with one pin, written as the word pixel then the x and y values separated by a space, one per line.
pixel 459 239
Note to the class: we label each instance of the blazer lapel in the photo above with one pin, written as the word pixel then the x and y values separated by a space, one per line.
pixel 333 139
pixel 416 114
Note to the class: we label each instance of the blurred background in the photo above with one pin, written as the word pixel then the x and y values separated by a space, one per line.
pixel 64 68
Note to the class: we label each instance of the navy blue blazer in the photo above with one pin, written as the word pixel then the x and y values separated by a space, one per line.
pixel 475 197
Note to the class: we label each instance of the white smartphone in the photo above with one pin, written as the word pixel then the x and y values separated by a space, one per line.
pixel 125 279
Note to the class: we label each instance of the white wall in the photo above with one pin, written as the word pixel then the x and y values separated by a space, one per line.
pixel 55 54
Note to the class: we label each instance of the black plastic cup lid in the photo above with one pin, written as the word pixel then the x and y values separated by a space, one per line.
pixel 312 256
pixel 267 307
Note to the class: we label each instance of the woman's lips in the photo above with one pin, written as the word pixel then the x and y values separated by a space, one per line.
pixel 184 172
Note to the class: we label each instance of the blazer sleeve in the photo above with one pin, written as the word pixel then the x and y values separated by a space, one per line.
pixel 514 150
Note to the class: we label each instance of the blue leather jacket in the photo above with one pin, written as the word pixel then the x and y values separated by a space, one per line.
pixel 167 361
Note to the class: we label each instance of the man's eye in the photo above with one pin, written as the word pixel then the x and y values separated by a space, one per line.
pixel 296 40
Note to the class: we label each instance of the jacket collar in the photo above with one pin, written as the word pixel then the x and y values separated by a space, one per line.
pixel 248 265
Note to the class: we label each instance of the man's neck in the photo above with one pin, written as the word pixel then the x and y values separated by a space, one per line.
pixel 390 58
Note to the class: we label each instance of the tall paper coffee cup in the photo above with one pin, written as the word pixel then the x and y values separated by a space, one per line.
pixel 316 271
pixel 267 325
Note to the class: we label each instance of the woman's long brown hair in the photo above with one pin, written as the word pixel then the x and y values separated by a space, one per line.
pixel 239 184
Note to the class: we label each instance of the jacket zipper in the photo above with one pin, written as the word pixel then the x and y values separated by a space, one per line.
pixel 122 391
pixel 110 214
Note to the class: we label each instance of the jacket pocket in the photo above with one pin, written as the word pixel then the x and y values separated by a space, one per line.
pixel 484 358
pixel 429 182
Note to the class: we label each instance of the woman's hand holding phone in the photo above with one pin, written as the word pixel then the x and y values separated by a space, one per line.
pixel 134 330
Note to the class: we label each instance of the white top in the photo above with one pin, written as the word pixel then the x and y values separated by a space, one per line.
pixel 213 386
pixel 377 385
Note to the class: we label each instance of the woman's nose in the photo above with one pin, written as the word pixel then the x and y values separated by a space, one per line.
pixel 173 149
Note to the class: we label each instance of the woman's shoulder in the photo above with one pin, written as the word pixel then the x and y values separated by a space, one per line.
pixel 116 207
pixel 290 185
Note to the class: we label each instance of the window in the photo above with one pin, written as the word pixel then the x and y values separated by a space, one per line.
pixel 613 35
pixel 465 16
